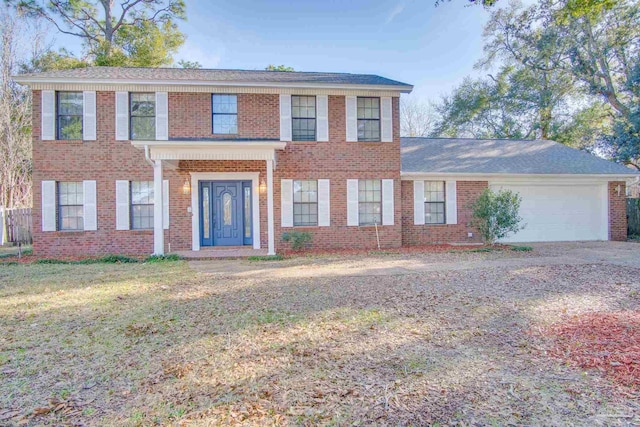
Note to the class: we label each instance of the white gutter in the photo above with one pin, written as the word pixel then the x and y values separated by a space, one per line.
pixel 421 175
pixel 119 82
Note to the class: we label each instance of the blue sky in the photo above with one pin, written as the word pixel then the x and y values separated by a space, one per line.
pixel 431 47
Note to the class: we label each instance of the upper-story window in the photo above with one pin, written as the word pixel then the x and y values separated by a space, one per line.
pixel 69 115
pixel 368 119
pixel 225 114
pixel 303 118
pixel 143 116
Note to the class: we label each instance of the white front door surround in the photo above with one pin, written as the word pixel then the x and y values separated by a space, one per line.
pixel 196 177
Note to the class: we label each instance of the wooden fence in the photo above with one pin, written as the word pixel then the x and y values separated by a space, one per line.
pixel 633 217
pixel 15 226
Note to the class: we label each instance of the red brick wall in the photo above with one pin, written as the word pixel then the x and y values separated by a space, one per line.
pixel 107 160
pixel 415 235
pixel 617 211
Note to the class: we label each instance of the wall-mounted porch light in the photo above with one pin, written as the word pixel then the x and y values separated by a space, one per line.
pixel 186 187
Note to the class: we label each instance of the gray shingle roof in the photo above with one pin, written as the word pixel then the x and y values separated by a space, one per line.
pixel 499 156
pixel 210 75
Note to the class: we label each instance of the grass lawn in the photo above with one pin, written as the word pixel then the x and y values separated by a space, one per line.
pixel 158 344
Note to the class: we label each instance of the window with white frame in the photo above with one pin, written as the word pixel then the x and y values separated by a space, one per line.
pixel 305 202
pixel 434 202
pixel 225 114
pixel 368 119
pixel 369 201
pixel 143 116
pixel 69 113
pixel 303 118
pixel 141 205
pixel 70 206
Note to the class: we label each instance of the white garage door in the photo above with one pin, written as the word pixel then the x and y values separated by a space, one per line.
pixel 561 212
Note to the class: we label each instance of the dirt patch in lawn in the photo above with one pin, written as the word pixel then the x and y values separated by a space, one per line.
pixel 160 344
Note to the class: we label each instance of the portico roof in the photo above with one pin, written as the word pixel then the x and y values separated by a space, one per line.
pixel 211 149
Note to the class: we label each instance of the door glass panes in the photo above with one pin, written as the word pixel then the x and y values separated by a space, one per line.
pixel 226 206
pixel 247 212
pixel 205 212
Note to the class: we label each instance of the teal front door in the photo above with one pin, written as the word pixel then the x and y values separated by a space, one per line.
pixel 224 213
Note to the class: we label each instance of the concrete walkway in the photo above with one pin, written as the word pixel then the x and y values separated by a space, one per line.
pixel 615 253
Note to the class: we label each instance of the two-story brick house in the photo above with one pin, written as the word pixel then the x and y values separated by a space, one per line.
pixel 140 160
pixel 133 160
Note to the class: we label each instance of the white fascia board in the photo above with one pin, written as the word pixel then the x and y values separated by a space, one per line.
pixel 229 143
pixel 412 176
pixel 31 80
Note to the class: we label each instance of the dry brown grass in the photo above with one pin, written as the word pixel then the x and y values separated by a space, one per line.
pixel 146 344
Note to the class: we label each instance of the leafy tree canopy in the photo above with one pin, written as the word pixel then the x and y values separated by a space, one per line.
pixel 124 33
pixel 272 67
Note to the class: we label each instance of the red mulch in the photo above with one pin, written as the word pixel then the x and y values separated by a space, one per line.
pixel 608 342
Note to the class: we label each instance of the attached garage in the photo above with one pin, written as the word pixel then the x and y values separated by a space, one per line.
pixel 567 194
pixel 560 212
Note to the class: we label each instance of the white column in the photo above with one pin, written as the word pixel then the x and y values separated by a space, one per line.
pixel 270 227
pixel 158 229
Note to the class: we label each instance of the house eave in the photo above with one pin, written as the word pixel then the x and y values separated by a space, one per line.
pixel 275 85
pixel 410 176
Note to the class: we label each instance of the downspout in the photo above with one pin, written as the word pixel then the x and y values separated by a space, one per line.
pixel 147 157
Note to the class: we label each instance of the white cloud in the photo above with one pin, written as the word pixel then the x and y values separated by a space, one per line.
pixel 395 12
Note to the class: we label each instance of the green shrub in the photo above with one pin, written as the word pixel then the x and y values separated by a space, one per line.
pixel 496 215
pixel 521 248
pixel 163 258
pixel 107 259
pixel 265 258
pixel 299 239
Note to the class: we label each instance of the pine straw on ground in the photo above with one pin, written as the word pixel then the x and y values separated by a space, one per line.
pixel 158 344
pixel 607 342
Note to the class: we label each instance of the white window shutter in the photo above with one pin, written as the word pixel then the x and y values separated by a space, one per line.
pixel 89 129
pixel 122 205
pixel 387 202
pixel 351 107
pixel 322 115
pixel 285 118
pixel 165 204
pixel 90 206
pixel 418 202
pixel 386 120
pixel 286 203
pixel 48 126
pixel 49 206
pixel 353 216
pixel 451 210
pixel 122 117
pixel 324 203
pixel 162 116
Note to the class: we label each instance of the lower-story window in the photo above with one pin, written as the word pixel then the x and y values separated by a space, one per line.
pixel 141 205
pixel 305 203
pixel 434 202
pixel 369 202
pixel 70 206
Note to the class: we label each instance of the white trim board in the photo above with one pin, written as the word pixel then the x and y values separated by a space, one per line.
pixel 254 177
pixel 412 176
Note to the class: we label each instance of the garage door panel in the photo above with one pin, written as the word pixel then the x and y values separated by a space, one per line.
pixel 560 212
